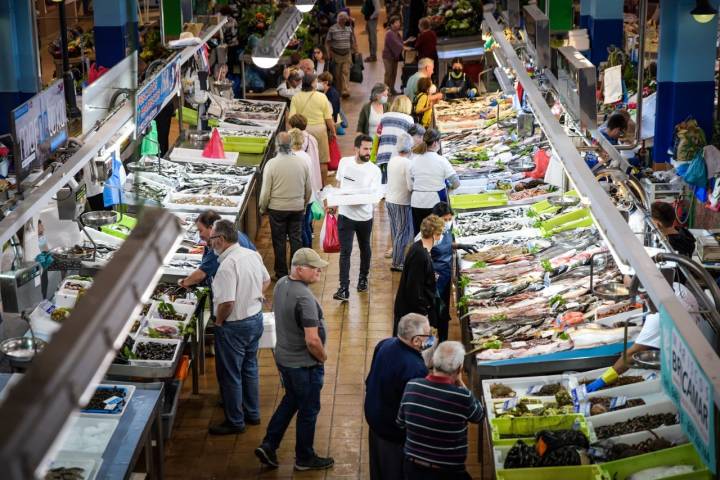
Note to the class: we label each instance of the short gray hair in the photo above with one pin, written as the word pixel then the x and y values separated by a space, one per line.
pixel 404 143
pixel 226 229
pixel 425 62
pixel 283 142
pixel 448 357
pixel 411 325
pixel 377 89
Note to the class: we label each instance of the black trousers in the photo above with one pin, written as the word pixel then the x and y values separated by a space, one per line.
pixel 284 225
pixel 386 458
pixel 347 229
pixel 418 215
pixel 413 471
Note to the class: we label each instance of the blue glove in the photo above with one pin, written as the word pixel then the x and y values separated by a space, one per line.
pixel 609 376
pixel 595 385
pixel 45 259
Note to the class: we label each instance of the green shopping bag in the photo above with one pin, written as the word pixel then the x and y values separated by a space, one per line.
pixel 318 212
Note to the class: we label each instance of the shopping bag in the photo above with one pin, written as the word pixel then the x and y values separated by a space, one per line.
pixel 113 190
pixel 612 84
pixel 374 150
pixel 356 70
pixel 696 173
pixel 317 210
pixel 329 235
pixel 334 159
pixel 541 160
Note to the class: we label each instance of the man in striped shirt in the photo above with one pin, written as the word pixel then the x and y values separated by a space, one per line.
pixel 435 412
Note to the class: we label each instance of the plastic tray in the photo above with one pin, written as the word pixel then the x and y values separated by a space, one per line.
pixel 182 308
pixel 88 462
pixel 672 433
pixel 125 221
pixel 129 390
pixel 544 205
pixel 567 221
pixel 521 385
pixel 526 427
pixel 681 455
pixel 154 323
pixel 495 198
pixel 156 363
pixel 649 398
pixel 75 440
pixel 245 147
pixel 170 204
pixel 666 406
pixel 634 389
pixel 611 320
pixel 587 472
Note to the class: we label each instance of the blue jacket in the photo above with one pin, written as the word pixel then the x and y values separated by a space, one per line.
pixel 393 365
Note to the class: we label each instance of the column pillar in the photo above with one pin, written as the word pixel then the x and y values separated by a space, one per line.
pixel 116 30
pixel 20 64
pixel 685 74
pixel 585 14
pixel 605 28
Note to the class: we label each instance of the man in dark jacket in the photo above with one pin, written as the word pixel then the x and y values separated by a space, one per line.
pixel 396 361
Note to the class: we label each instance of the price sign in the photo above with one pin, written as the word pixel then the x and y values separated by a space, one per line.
pixel 153 96
pixel 689 387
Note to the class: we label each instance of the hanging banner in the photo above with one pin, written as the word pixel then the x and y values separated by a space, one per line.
pixel 154 95
pixel 688 386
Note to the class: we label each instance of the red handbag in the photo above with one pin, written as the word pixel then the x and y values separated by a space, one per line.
pixel 334 159
pixel 329 234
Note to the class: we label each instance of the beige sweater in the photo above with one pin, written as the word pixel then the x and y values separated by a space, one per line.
pixel 285 184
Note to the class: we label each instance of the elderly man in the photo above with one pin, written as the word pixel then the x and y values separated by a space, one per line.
pixel 300 356
pixel 340 44
pixel 426 67
pixel 396 361
pixel 434 412
pixel 285 192
pixel 307 66
pixel 237 300
pixel 291 86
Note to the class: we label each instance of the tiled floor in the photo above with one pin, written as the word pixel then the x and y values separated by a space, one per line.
pixel 354 329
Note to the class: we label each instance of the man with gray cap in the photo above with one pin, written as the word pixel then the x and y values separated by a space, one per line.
pixel 285 192
pixel 300 356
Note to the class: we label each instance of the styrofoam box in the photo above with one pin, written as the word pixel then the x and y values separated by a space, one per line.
pixel 129 390
pixel 40 320
pixel 90 463
pixel 636 389
pixel 181 308
pixel 610 418
pixel 154 323
pixel 650 399
pixel 269 336
pixel 334 200
pixel 672 433
pixel 156 363
pixel 88 434
pixel 521 385
pixel 66 298
pixel 170 204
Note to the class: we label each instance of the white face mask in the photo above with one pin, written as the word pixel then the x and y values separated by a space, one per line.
pixel 448 225
pixel 320 87
pixel 383 99
pixel 436 241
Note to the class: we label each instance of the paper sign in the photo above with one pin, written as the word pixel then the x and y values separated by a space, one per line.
pixel 685 382
pixel 612 84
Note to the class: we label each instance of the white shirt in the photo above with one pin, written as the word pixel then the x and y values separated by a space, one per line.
pixel 374 121
pixel 398 181
pixel 319 68
pixel 428 173
pixel 358 178
pixel 650 333
pixel 314 166
pixel 240 279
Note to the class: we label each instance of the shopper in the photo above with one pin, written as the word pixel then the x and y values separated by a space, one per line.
pixel 680 239
pixel 297 141
pixel 431 176
pixel 325 85
pixel 442 257
pixel 426 68
pixel 310 146
pixel 371 11
pixel 356 174
pixel 307 66
pixel 372 112
pixel 395 361
pixel 204 274
pixel 417 290
pixel 316 109
pixel 285 192
pixel 435 411
pixel 426 42
pixel 238 289
pixel 394 122
pixel 417 132
pixel 318 57
pixel 291 86
pixel 397 200
pixel 300 356
pixel 392 52
pixel 423 103
pixel 340 44
pixel 456 83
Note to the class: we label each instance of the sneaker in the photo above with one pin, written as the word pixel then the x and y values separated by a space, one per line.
pixel 267 456
pixel 342 294
pixel 314 463
pixel 396 269
pixel 225 428
pixel 362 285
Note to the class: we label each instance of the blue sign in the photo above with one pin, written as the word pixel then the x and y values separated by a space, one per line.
pixel 153 96
pixel 689 387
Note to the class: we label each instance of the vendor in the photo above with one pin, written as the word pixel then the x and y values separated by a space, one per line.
pixel 680 238
pixel 615 127
pixel 442 254
pixel 456 83
pixel 648 339
pixel 209 265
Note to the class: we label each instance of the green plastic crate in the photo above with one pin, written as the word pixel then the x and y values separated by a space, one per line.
pixel 126 221
pixel 585 472
pixel 189 117
pixel 682 455
pixel 567 221
pixel 544 206
pixel 496 198
pixel 524 428
pixel 244 147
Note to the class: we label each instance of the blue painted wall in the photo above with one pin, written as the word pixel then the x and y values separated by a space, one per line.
pixel 605 27
pixel 116 30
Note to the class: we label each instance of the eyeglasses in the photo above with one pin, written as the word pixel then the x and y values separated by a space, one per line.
pixel 213 237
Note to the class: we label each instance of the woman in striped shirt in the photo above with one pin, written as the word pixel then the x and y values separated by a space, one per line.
pixel 395 121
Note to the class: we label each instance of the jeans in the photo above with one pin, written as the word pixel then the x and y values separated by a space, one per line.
pixel 307 229
pixel 400 231
pixel 413 471
pixel 383 173
pixel 371 26
pixel 236 346
pixel 284 225
pixel 386 458
pixel 302 396
pixel 347 229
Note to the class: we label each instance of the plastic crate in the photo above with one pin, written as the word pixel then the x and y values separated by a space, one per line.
pixel 523 428
pixel 545 206
pixel 568 221
pixel 170 406
pixel 479 200
pixel 681 455
pixel 126 221
pixel 586 472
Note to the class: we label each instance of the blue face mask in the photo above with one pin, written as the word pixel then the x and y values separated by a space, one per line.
pixel 428 343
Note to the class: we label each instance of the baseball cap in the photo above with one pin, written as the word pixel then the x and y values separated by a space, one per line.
pixel 309 257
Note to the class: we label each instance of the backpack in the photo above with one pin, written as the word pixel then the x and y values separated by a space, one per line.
pixel 688 139
pixel 367 9
pixel 417 117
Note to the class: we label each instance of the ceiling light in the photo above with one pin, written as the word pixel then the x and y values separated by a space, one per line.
pixel 703 11
pixel 270 48
pixel 304 6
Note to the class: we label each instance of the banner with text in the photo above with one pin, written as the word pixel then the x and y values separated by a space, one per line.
pixel 154 95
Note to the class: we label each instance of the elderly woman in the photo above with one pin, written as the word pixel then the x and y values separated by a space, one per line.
pixel 316 109
pixel 397 200
pixel 372 112
pixel 396 121
pixel 417 291
pixel 297 143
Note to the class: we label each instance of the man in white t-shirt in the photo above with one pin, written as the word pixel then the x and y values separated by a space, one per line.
pixel 357 175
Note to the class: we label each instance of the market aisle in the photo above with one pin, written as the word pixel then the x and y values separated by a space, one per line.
pixel 354 329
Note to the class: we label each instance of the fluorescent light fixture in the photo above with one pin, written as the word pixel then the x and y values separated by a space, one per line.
pixel 270 48
pixel 703 11
pixel 304 6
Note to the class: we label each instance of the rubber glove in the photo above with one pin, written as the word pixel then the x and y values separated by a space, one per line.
pixel 608 377
pixel 467 248
pixel 471 93
pixel 45 259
